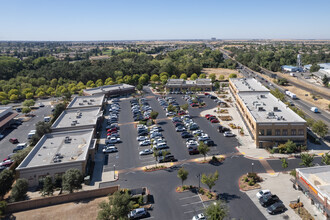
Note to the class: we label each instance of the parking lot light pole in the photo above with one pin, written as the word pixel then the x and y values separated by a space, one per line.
pixel 199 181
pixel 252 167
pixel 114 171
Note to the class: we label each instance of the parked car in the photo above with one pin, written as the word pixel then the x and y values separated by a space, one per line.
pixel 142 138
pixel 193 150
pixel 180 129
pixel 161 146
pixel 186 134
pixel 228 134
pixel 200 216
pixel 146 152
pixel 170 114
pixel 19 147
pixel 268 200
pixel 214 120
pixel 13 140
pixel 138 213
pixel 262 193
pixel 167 158
pixel 6 163
pixel 110 149
pixel 145 143
pixel 222 129
pixel 277 207
pixel 209 142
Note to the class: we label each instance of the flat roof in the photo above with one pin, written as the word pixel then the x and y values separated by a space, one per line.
pixel 318 177
pixel 290 67
pixel 173 82
pixel 86 101
pixel 67 146
pixel 248 85
pixel 109 89
pixel 77 117
pixel 265 107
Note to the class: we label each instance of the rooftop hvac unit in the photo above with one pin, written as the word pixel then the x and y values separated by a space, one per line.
pixel 262 96
pixel 92 100
pixel 80 103
pixel 275 109
pixel 270 114
pixel 260 108
pixel 89 103
pixel 85 100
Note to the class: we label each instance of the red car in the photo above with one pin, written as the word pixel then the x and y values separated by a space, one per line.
pixel 181 113
pixel 214 120
pixel 7 163
pixel 112 132
pixel 194 105
pixel 208 116
pixel 206 93
pixel 112 129
pixel 13 140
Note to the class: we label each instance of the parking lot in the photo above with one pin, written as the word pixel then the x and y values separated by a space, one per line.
pixel 22 131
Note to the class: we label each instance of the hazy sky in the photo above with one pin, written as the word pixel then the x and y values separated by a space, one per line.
pixel 163 19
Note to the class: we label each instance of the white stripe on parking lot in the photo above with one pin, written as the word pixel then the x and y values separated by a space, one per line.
pixel 189 197
pixel 192 203
pixel 196 210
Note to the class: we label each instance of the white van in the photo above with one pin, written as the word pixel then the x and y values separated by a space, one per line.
pixel 315 109
pixel 47 119
pixel 31 133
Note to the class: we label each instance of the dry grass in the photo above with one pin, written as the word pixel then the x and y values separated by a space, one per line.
pixel 86 209
pixel 221 71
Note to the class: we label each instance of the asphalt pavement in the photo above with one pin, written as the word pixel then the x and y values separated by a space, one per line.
pixel 22 131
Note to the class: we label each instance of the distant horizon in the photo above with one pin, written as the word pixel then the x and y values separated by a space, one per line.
pixel 148 20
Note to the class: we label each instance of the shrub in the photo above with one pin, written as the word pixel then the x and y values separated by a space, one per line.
pixel 201 191
pixel 3 206
pixel 246 179
pixel 251 182
pixel 135 206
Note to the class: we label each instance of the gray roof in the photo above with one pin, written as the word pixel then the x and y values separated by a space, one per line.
pixel 86 101
pixel 109 89
pixel 176 82
pixel 248 85
pixel 70 146
pixel 265 107
pixel 77 117
pixel 318 177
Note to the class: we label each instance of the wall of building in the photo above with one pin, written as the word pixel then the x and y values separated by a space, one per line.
pixel 54 200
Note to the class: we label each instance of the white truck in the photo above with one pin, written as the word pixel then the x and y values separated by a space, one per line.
pixel 314 109
pixel 291 94
pixel 31 133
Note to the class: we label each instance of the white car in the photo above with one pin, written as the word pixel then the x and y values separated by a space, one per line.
pixel 192 144
pixel 1 136
pixel 142 138
pixel 110 149
pixel 200 216
pixel 170 114
pixel 112 140
pixel 228 134
pixel 146 152
pixel 145 143
pixel 262 193
pixel 203 137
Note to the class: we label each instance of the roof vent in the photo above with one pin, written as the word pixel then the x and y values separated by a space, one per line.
pixel 275 109
pixel 44 147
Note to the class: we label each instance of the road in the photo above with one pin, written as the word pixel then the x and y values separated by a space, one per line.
pixel 22 131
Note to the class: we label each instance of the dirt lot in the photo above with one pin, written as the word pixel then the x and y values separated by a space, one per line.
pixel 221 71
pixel 86 209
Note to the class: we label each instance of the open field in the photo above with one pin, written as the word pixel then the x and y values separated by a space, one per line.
pixel 221 71
pixel 85 209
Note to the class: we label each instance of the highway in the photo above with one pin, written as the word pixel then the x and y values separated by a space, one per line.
pixel 304 106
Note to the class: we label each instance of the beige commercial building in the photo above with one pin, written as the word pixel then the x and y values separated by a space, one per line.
pixel 187 85
pixel 110 90
pixel 268 119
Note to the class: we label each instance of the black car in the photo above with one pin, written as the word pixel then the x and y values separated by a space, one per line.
pixel 167 158
pixel 213 97
pixel 276 208
pixel 186 134
pixel 268 200
pixel 223 129
pixel 209 142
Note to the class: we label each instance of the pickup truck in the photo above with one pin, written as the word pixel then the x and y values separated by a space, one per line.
pixel 268 200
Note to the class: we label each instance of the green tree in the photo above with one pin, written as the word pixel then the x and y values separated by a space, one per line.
pixel 221 77
pixel 232 75
pixel 314 68
pixel 29 103
pixel 139 87
pixel 6 180
pixel 193 76
pixel 171 108
pixel 59 108
pixel 156 152
pixel 210 179
pixel 183 76
pixel 325 80
pixel 202 76
pixel 48 186
pixel 217 211
pixel 19 190
pixel 13 92
pixel 153 115
pixel 143 80
pixel 203 149
pixel 284 163
pixel 184 107
pixel 29 95
pixel 213 77
pixel 41 129
pixel 72 180
pixel 307 159
pixel 154 78
pixel 13 97
pixel 278 94
pixel 320 128
pixel 182 174
pixel 26 110
pixel 174 77
pixel 216 85
pixel 21 154
pixel 99 82
pixel 3 206
pixel 118 206
pixel 326 158
pixel 41 94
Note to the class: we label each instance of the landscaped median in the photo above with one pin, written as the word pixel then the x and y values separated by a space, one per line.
pixel 205 194
pixel 214 160
pixel 249 182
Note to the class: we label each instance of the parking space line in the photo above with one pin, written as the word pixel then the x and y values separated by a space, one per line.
pixel 189 197
pixel 196 210
pixel 192 203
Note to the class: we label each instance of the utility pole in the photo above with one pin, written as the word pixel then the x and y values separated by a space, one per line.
pixel 199 181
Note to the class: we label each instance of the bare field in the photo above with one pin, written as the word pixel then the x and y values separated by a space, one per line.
pixel 85 209
pixel 221 71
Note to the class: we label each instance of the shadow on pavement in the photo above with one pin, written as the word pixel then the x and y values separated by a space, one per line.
pixel 227 197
